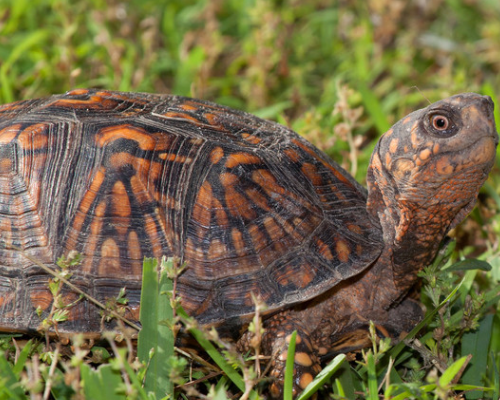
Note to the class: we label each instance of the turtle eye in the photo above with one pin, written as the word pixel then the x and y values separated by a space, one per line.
pixel 440 122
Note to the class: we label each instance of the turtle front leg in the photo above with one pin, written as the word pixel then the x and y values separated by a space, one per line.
pixel 276 341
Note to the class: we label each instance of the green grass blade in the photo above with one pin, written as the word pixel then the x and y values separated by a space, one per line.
pixel 101 383
pixel 322 377
pixel 231 373
pixel 9 382
pixel 155 336
pixel 374 108
pixel 400 346
pixel 372 377
pixel 344 382
pixel 477 343
pixel 290 360
pixel 451 372
pixel 23 356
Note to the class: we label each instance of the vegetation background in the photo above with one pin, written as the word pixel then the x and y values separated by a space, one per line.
pixel 338 72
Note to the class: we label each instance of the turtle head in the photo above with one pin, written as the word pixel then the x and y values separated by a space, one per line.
pixel 426 172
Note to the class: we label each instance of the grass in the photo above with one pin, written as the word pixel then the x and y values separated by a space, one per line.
pixel 340 73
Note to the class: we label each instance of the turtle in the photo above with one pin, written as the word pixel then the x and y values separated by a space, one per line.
pixel 250 207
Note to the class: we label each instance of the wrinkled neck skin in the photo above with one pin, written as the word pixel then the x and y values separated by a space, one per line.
pixel 416 219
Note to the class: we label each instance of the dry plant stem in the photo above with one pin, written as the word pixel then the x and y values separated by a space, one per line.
pixel 18 350
pixel 73 287
pixel 124 374
pixel 387 378
pixel 49 381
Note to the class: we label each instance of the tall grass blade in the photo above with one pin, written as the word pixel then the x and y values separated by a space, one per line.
pixel 156 340
pixel 290 360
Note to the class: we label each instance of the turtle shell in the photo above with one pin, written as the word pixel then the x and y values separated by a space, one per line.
pixel 247 204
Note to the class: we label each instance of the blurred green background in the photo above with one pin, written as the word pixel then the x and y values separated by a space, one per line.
pixel 309 64
pixel 338 72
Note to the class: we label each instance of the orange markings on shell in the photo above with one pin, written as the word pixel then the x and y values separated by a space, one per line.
pixel 343 250
pixel 235 159
pixel 355 228
pixel 41 299
pixel 117 132
pixel 201 209
pixel 181 116
pixel 251 138
pixel 238 242
pixel 217 250
pixel 216 155
pixel 292 155
pixel 311 172
pixel 134 246
pixel 8 134
pixel 257 199
pixel 324 250
pixel 332 169
pixel 187 107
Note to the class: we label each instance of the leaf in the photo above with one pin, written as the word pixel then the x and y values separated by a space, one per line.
pixel 469 264
pixel 451 372
pixel 155 336
pixel 101 383
pixel 477 343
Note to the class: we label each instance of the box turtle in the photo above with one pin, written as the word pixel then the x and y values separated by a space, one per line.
pixel 247 204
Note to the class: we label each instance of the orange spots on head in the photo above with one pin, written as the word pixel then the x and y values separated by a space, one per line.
pixel 216 155
pixel 402 167
pixel 393 145
pixel 388 159
pixel 389 133
pixel 435 148
pixel 406 120
pixel 424 154
pixel 235 159
pixel 443 166
pixel 343 250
